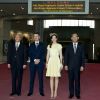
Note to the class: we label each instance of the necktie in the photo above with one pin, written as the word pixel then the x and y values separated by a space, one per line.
pixel 75 47
pixel 17 46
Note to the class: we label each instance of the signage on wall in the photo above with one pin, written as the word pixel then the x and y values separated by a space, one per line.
pixel 58 6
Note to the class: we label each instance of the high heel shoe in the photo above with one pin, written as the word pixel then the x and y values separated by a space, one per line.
pixel 51 98
pixel 55 96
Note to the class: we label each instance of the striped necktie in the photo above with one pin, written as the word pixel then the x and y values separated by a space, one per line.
pixel 75 47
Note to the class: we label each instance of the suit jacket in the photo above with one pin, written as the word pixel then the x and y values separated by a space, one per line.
pixel 37 53
pixel 74 60
pixel 14 56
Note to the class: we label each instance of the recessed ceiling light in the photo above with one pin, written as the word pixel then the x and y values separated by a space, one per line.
pixel 1 10
pixel 97 8
pixel 14 14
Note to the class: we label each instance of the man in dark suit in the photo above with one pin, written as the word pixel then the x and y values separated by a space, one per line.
pixel 74 62
pixel 17 60
pixel 37 56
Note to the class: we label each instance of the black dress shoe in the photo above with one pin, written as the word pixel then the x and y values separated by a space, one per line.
pixel 12 94
pixel 78 97
pixel 42 94
pixel 18 94
pixel 71 96
pixel 29 94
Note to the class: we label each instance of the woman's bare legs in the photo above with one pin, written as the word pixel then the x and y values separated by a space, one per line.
pixel 52 86
pixel 56 86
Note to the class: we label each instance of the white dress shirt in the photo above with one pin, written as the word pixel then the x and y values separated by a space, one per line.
pixel 75 46
pixel 17 45
pixel 36 43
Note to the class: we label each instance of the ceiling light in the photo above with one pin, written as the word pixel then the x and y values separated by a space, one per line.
pixel 30 22
pixel 14 14
pixel 97 8
pixel 22 8
pixel 1 10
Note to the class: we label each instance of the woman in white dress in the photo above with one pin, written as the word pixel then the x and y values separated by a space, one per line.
pixel 54 64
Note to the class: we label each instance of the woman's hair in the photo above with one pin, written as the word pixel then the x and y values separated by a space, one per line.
pixel 51 35
pixel 19 34
pixel 12 35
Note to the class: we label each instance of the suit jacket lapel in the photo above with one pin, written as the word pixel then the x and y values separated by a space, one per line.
pixel 72 48
pixel 34 45
pixel 77 47
pixel 19 45
pixel 14 46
